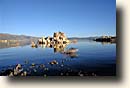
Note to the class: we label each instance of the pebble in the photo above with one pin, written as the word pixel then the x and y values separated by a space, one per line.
pixel 34 70
pixel 33 64
pixel 11 74
pixel 61 74
pixel 46 69
pixel 53 62
pixel 81 75
pixel 18 66
pixel 45 75
pixel 26 61
pixel 62 65
pixel 25 73
pixel 42 66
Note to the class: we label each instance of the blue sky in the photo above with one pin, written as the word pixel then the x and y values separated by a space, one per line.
pixel 77 18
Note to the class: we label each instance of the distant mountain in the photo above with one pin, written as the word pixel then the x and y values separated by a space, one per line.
pixel 83 38
pixel 5 36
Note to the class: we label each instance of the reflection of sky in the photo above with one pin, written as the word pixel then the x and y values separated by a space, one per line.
pixel 92 57
pixel 86 51
pixel 95 49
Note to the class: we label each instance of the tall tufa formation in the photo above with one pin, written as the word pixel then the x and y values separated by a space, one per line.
pixel 58 38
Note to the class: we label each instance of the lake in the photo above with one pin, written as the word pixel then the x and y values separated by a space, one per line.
pixel 92 59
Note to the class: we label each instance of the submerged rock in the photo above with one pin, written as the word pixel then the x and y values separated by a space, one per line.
pixel 42 66
pixel 11 74
pixel 53 62
pixel 45 75
pixel 46 69
pixel 6 72
pixel 18 67
pixel 62 65
pixel 33 64
pixel 71 50
pixel 16 71
pixel 34 70
pixel 26 61
pixel 24 73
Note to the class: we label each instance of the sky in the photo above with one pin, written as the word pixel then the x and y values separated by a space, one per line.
pixel 76 18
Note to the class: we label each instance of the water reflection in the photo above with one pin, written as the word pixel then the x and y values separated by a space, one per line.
pixel 13 44
pixel 105 43
pixel 29 69
pixel 61 48
pixel 38 63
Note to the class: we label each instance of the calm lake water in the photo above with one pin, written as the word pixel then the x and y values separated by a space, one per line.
pixel 91 59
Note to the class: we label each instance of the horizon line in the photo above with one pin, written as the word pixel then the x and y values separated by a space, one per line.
pixel 46 36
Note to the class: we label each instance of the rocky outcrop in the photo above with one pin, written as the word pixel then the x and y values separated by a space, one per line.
pixel 58 38
pixel 106 39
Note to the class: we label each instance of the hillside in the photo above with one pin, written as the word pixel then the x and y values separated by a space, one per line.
pixel 4 36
